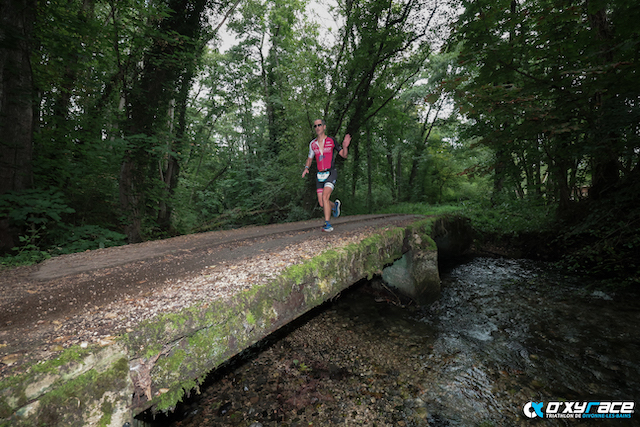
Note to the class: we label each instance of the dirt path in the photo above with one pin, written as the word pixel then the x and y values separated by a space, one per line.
pixel 95 295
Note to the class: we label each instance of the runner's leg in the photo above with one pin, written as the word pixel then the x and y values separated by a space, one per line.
pixel 327 205
pixel 319 191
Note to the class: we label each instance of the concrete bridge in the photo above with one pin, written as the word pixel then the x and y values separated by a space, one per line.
pixel 96 338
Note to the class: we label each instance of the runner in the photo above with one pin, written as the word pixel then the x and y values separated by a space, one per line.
pixel 325 150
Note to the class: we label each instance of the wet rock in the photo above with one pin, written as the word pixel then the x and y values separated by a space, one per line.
pixel 224 409
pixel 415 275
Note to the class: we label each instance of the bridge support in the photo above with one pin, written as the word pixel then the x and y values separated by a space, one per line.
pixel 416 275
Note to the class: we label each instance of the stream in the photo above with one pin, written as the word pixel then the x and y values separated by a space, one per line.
pixel 504 335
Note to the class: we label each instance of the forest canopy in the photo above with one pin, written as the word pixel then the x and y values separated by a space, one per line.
pixel 126 121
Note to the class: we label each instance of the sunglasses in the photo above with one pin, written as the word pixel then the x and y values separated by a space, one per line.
pixel 317 126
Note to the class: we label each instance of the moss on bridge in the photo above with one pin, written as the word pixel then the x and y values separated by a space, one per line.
pixel 171 354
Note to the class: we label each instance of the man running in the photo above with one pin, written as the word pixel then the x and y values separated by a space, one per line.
pixel 324 149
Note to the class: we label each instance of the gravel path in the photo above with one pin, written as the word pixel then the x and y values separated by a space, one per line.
pixel 92 297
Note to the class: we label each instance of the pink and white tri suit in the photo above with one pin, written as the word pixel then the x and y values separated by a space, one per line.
pixel 325 161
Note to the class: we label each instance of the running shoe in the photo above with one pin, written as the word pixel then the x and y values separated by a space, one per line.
pixel 327 227
pixel 336 208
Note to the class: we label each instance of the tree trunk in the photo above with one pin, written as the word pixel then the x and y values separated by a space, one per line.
pixel 130 195
pixel 16 103
pixel 369 171
pixel 606 168
pixel 499 174
pixel 150 101
pixel 355 149
pixel 400 196
pixel 16 95
pixel 173 166
pixel 392 175
pixel 563 192
pixel 413 194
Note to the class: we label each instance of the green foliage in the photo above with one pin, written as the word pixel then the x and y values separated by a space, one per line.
pixel 231 154
pixel 27 253
pixel 509 217
pixel 35 213
pixel 383 46
pixel 602 238
pixel 551 89
pixel 34 209
pixel 296 213
pixel 164 134
pixel 421 209
pixel 87 237
pixel 42 219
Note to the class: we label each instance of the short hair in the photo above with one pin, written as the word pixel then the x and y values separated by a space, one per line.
pixel 322 120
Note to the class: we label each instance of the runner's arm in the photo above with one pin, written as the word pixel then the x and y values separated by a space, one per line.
pixel 307 165
pixel 345 146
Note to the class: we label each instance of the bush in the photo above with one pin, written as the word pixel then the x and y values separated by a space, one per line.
pixel 88 237
pixel 601 238
pixel 33 209
pixel 38 215
pixel 35 214
pixel 420 209
pixel 297 213
pixel 509 217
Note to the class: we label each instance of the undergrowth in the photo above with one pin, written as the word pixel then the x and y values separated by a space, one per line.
pixel 45 228
pixel 599 239
pixel 510 217
pixel 602 239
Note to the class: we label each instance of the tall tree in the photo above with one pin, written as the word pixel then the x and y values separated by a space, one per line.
pixel 167 64
pixel 16 102
pixel 550 88
pixel 383 46
pixel 283 82
pixel 16 94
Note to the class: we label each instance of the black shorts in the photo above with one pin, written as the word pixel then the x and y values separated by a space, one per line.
pixel 330 182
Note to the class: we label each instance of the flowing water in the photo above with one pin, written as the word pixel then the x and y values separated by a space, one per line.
pixel 516 333
pixel 503 333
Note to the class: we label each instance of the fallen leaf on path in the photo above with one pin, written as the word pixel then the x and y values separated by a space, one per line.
pixel 10 359
pixel 106 341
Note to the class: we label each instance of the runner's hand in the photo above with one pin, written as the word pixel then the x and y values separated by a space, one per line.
pixel 346 141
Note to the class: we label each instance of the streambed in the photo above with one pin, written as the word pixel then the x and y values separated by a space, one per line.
pixel 503 333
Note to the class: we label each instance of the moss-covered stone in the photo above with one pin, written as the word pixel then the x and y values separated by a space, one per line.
pixel 73 401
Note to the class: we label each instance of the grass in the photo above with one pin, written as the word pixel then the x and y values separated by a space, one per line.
pixel 507 218
pixel 420 209
pixel 599 239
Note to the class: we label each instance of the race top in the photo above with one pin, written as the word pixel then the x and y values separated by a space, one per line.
pixel 327 159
